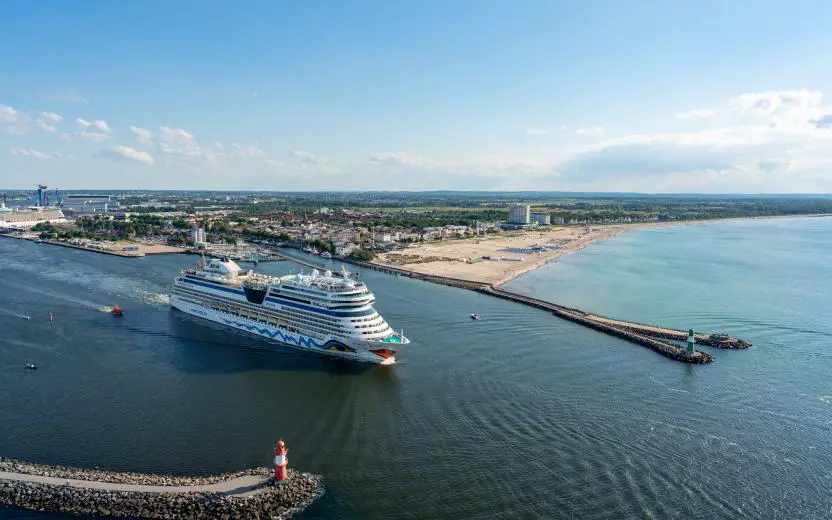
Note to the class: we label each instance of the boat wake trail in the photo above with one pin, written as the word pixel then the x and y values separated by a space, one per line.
pixel 155 298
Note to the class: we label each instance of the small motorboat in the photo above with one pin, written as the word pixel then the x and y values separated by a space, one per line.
pixel 24 317
pixel 326 254
pixel 117 311
pixel 30 366
pixel 475 316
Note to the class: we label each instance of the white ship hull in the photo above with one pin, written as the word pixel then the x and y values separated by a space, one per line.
pixel 332 346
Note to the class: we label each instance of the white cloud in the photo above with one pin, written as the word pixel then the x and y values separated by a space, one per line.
pixel 20 123
pixel 8 114
pixel 93 137
pixel 769 103
pixel 593 130
pixel 183 146
pixel 492 167
pixel 176 135
pixel 248 151
pixel 403 158
pixel 308 157
pixel 790 146
pixel 144 136
pixel 536 131
pixel 30 152
pixel 48 120
pixel 785 109
pixel 313 163
pixel 66 96
pixel 825 121
pixel 746 149
pixel 702 113
pixel 127 153
pixel 83 124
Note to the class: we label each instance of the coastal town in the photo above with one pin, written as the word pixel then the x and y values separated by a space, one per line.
pixel 490 239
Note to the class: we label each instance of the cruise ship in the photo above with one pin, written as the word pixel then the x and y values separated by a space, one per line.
pixel 318 312
pixel 23 218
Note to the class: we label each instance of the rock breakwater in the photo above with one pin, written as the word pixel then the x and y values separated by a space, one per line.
pixel 248 494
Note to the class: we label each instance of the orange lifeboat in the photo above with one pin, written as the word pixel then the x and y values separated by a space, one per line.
pixel 117 311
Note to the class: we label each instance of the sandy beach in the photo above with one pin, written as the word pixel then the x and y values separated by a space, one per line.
pixel 496 259
pixel 464 258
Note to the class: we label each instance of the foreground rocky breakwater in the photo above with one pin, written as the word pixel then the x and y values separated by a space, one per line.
pixel 248 494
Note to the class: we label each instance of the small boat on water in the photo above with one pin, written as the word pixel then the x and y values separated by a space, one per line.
pixel 117 311
pixel 24 317
pixel 326 254
pixel 475 316
pixel 30 366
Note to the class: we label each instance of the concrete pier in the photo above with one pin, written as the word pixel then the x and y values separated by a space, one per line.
pixel 248 494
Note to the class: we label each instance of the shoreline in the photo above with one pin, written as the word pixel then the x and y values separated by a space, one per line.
pixel 141 251
pixel 451 260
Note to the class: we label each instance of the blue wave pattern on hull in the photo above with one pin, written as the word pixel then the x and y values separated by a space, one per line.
pixel 300 341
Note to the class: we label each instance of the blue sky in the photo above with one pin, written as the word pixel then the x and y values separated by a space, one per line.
pixel 649 96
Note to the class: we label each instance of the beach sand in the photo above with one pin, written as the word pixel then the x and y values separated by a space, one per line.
pixel 451 257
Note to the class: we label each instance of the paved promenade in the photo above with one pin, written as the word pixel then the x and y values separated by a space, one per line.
pixel 246 485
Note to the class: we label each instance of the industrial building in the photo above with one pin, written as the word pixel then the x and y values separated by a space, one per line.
pixel 83 204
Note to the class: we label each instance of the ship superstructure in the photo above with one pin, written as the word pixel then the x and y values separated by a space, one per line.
pixel 22 218
pixel 318 311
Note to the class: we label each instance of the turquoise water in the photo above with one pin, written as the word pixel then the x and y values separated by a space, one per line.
pixel 518 415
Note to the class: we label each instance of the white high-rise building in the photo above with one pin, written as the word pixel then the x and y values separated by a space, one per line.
pixel 199 235
pixel 519 214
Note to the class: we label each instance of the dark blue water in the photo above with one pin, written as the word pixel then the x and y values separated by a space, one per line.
pixel 519 415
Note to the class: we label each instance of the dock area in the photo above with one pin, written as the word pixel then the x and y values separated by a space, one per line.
pixel 247 494
pixel 650 336
pixel 122 248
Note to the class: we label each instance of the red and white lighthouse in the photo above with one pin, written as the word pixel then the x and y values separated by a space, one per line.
pixel 280 461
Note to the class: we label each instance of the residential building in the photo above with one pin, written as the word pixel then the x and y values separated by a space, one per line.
pixel 198 235
pixel 541 219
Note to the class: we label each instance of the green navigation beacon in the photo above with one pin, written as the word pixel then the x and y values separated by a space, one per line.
pixel 691 341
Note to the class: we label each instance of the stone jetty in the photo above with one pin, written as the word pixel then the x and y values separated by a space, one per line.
pixel 649 336
pixel 247 494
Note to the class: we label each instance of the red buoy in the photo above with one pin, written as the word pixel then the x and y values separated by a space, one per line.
pixel 280 461
pixel 117 311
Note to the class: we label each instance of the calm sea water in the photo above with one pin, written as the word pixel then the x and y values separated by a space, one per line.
pixel 519 415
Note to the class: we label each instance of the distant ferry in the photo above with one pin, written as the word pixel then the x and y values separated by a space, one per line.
pixel 316 312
